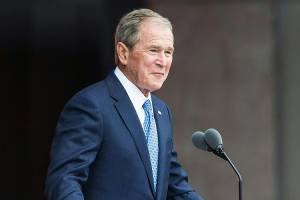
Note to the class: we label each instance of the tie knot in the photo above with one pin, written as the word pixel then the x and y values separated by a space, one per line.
pixel 147 106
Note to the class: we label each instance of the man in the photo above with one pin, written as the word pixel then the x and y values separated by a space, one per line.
pixel 114 139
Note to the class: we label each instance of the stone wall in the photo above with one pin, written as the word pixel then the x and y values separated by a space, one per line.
pixel 224 76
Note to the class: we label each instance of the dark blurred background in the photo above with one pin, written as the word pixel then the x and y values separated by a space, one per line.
pixel 235 68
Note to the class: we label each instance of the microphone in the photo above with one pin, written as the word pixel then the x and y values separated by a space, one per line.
pixel 211 140
pixel 198 139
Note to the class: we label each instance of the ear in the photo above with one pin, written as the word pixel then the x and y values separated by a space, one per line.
pixel 122 52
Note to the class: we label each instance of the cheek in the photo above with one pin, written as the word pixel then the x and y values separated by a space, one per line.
pixel 168 66
pixel 143 74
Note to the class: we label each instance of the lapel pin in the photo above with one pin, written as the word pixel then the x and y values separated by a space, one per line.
pixel 159 112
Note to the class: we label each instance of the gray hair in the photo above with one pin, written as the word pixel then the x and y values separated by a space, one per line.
pixel 127 30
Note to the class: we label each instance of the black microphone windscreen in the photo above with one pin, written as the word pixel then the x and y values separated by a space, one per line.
pixel 198 139
pixel 213 138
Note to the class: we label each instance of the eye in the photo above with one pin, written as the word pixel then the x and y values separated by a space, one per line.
pixel 168 53
pixel 153 50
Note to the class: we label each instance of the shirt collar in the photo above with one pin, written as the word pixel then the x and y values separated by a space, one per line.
pixel 136 96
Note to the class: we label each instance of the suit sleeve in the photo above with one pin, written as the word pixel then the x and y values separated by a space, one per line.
pixel 178 188
pixel 75 145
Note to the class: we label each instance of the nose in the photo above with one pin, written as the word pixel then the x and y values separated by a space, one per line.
pixel 161 60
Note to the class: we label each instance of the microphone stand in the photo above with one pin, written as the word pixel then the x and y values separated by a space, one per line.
pixel 221 153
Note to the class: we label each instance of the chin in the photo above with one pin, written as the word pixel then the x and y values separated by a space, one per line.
pixel 157 87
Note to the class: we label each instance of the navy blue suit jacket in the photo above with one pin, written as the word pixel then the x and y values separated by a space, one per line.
pixel 99 150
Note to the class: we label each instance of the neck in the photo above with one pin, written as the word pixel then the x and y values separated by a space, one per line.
pixel 145 92
pixel 127 74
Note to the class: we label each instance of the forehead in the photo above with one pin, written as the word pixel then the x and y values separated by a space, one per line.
pixel 155 30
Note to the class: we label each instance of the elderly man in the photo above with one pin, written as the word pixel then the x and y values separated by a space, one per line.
pixel 114 139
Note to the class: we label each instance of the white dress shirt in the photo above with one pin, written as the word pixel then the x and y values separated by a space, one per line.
pixel 136 97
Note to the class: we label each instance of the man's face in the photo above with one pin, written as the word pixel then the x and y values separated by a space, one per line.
pixel 148 63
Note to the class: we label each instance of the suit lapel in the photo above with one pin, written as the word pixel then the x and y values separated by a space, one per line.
pixel 162 130
pixel 128 114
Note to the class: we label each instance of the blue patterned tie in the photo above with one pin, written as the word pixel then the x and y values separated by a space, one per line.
pixel 151 138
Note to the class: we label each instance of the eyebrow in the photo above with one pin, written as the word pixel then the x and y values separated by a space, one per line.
pixel 159 47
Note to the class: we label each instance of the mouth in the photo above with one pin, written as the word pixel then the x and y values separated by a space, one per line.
pixel 158 74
